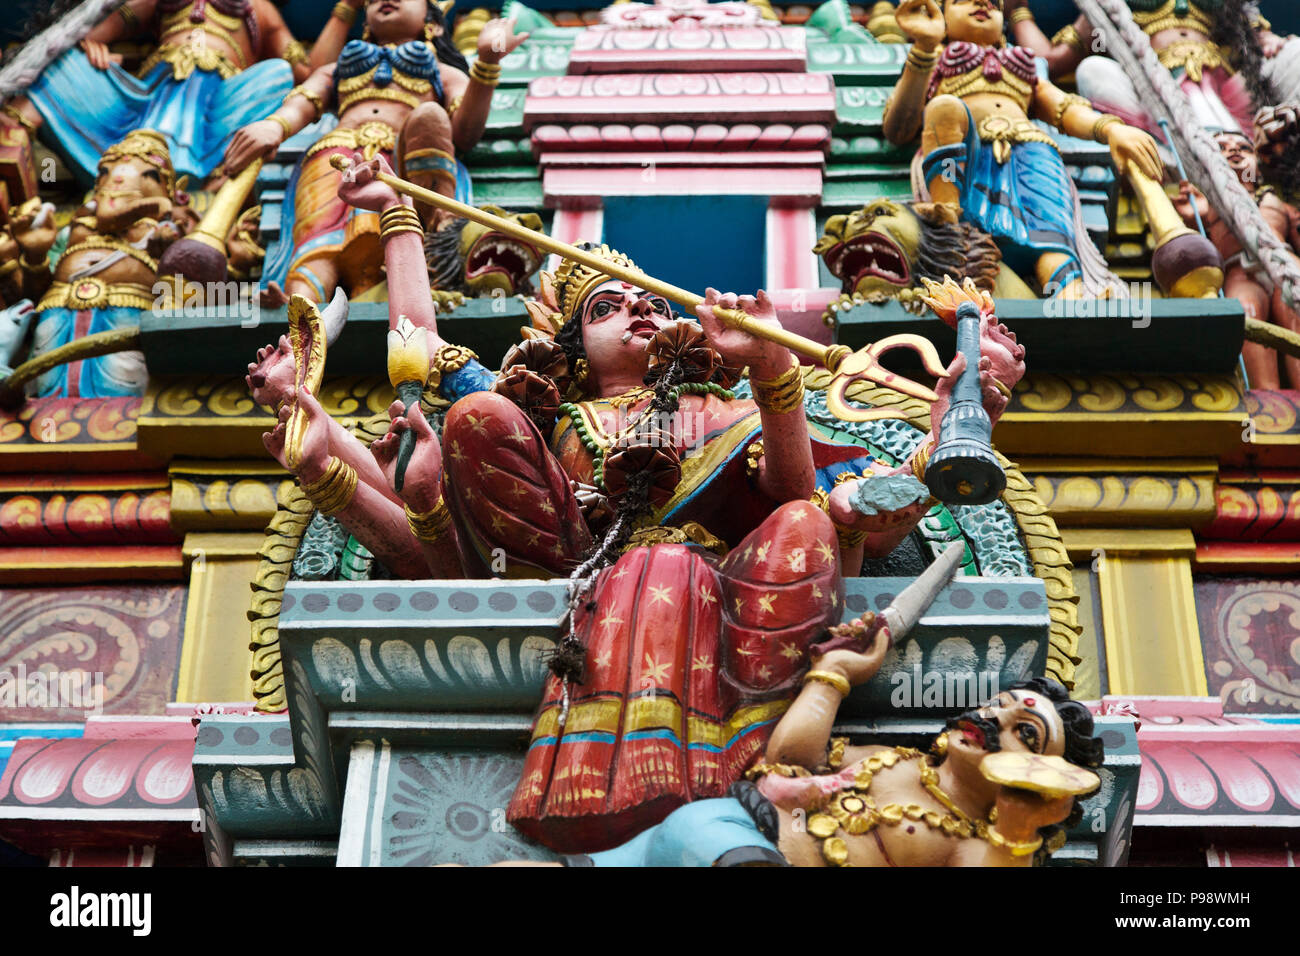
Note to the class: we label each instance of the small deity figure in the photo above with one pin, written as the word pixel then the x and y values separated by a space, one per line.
pixel 218 65
pixel 1246 279
pixel 1224 54
pixel 104 277
pixel 987 162
pixel 404 83
pixel 683 624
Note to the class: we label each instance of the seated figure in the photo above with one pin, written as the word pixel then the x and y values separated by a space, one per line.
pixel 987 162
pixel 740 525
pixel 104 277
pixel 405 83
pixel 218 65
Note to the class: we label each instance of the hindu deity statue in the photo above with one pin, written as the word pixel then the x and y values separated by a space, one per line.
pixel 404 82
pixel 1246 279
pixel 970 97
pixel 707 534
pixel 1224 54
pixel 103 278
pixel 218 65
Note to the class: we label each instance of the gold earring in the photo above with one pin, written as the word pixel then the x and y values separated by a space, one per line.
pixel 365 33
pixel 940 746
pixel 580 369
pixel 428 33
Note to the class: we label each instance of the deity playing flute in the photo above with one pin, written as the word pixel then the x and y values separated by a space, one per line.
pixel 712 532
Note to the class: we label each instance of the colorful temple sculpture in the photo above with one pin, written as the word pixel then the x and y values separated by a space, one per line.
pixel 670 433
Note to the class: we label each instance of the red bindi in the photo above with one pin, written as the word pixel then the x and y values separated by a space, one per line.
pixel 1030 702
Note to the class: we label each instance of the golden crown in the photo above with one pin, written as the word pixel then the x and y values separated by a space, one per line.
pixel 574 281
pixel 145 144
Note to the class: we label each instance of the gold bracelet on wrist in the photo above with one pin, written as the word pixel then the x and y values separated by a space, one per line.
pixel 1015 848
pixel 398 219
pixel 293 53
pixel 920 60
pixel 315 99
pixel 839 682
pixel 432 525
pixel 284 124
pixel 489 74
pixel 332 491
pixel 1020 15
pixel 921 458
pixel 1099 128
pixel 17 116
pixel 781 394
pixel 129 16
pixel 849 538
pixel 1069 36
pixel 345 13
pixel 1067 101
pixel 42 266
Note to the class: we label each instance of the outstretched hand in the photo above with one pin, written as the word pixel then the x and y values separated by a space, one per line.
pixel 1001 366
pixel 868 641
pixel 361 187
pixel 739 348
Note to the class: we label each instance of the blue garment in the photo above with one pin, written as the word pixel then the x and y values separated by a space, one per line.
pixel 1027 204
pixel 120 373
pixel 88 110
pixel 698 834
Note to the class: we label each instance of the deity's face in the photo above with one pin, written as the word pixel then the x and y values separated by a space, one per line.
pixel 976 21
pixel 125 181
pixel 1240 155
pixel 397 21
pixel 272 375
pixel 618 321
pixel 1015 721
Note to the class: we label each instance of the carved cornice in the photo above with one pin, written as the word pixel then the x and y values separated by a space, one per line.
pixel 708 137
pixel 234 496
pixel 1101 493
pixel 77 510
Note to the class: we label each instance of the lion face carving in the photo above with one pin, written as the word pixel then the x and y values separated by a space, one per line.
pixel 477 260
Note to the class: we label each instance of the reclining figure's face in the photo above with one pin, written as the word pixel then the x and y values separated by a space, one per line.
pixel 976 21
pixel 618 321
pixel 1014 721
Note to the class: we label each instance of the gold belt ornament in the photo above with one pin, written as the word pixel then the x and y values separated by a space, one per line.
pixel 191 56
pixel 1004 133
pixel 1194 57
pixel 92 293
pixel 371 138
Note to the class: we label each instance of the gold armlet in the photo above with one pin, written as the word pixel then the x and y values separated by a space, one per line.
pixel 1020 15
pixel 1099 128
pixel 332 491
pixel 129 17
pixel 398 219
pixel 315 99
pixel 294 53
pixel 489 74
pixel 1070 99
pixel 1069 36
pixel 451 358
pixel 830 678
pixel 14 114
pixel 42 266
pixel 781 394
pixel 432 525
pixel 284 124
pixel 345 13
pixel 1016 849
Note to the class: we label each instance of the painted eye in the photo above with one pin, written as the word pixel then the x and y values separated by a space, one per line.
pixel 659 305
pixel 602 309
pixel 1028 735
pixel 153 174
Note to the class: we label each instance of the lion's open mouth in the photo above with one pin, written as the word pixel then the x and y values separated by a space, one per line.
pixel 497 253
pixel 866 256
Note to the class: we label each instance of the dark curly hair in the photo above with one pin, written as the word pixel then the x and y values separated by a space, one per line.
pixel 1233 31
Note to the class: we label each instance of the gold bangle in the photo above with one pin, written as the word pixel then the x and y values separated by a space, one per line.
pixel 1069 100
pixel 315 99
pixel 399 219
pixel 20 119
pixel 284 124
pixel 1069 36
pixel 345 13
pixel 489 74
pixel 1016 849
pixel 432 524
pixel 781 394
pixel 920 60
pixel 332 491
pixel 1099 127
pixel 921 458
pixel 42 266
pixel 129 16
pixel 1020 15
pixel 293 52
pixel 837 681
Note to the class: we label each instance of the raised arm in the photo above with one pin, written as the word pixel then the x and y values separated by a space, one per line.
pixel 474 92
pixel 278 40
pixel 334 34
pixel 922 21
pixel 1063 52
